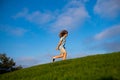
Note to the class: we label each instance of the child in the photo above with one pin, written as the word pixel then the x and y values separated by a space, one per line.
pixel 61 45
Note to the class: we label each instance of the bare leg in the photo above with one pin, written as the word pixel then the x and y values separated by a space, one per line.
pixel 62 55
pixel 59 56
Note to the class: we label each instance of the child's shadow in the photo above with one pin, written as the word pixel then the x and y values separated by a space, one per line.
pixel 108 78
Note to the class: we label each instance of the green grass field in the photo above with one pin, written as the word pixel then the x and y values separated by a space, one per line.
pixel 96 67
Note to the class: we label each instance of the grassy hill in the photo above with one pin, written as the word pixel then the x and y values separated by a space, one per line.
pixel 96 67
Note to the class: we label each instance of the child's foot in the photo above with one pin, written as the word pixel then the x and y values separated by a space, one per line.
pixel 53 60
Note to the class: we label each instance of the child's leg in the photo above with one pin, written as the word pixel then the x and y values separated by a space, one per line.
pixel 59 56
pixel 64 54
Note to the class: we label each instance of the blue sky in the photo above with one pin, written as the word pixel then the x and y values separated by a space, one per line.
pixel 29 28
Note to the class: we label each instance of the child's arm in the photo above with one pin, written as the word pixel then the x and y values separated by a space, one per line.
pixel 59 45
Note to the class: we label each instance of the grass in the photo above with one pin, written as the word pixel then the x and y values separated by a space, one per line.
pixel 97 67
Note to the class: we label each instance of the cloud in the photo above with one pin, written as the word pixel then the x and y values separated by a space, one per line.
pixel 111 46
pixel 27 61
pixel 40 18
pixel 106 41
pixel 21 14
pixel 103 46
pixel 108 33
pixel 107 46
pixel 107 8
pixel 71 16
pixel 17 31
pixel 36 17
pixel 86 1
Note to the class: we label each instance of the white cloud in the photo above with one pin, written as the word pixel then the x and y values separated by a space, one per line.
pixel 17 31
pixel 36 17
pixel 71 16
pixel 107 8
pixel 107 41
pixel 108 33
pixel 86 1
pixel 27 61
pixel 40 18
pixel 106 46
pixel 21 14
pixel 111 46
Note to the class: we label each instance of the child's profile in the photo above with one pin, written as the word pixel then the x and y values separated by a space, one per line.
pixel 61 45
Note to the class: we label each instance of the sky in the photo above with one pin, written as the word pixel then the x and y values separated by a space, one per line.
pixel 29 28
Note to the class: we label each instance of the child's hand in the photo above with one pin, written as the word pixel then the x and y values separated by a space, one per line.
pixel 57 48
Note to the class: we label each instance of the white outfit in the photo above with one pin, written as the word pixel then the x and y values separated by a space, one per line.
pixel 63 40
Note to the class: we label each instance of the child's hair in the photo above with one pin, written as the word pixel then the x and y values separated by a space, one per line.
pixel 62 33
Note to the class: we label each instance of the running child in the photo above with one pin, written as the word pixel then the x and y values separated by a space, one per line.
pixel 61 45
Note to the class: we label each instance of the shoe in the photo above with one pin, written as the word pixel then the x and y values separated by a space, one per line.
pixel 53 60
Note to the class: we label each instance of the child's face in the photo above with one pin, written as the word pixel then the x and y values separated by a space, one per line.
pixel 66 35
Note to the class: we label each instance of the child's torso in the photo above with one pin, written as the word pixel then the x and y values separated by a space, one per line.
pixel 63 39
